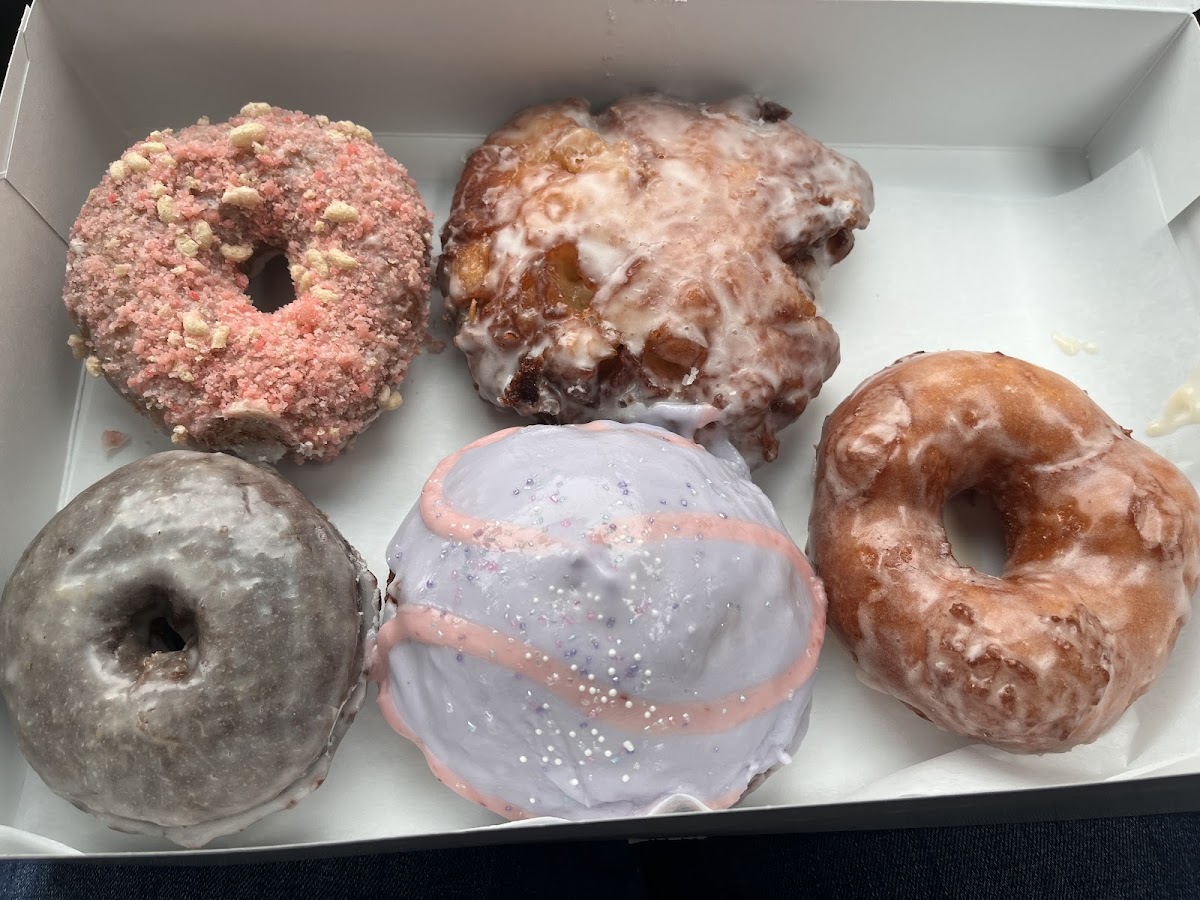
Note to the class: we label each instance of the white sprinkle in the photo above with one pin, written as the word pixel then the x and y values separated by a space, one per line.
pixel 538 731
pixel 608 754
pixel 625 778
pixel 574 782
pixel 529 656
pixel 595 731
pixel 587 752
pixel 558 762
pixel 628 745
pixel 637 657
pixel 522 759
pixel 612 671
pixel 612 692
pixel 574 667
pixel 600 739
pixel 648 673
pixel 629 704
pixel 570 734
pixel 612 653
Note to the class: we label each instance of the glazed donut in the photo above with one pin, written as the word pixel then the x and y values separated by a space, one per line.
pixel 183 646
pixel 1102 536
pixel 570 629
pixel 156 282
pixel 598 267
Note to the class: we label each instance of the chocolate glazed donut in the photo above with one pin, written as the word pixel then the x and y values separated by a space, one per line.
pixel 182 646
pixel 1103 549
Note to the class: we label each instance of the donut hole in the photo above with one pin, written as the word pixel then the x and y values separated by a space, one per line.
pixel 160 625
pixel 270 288
pixel 975 529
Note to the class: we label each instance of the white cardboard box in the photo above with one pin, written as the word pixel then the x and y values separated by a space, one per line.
pixel 1036 169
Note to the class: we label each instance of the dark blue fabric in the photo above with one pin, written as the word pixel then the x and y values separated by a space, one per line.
pixel 1108 859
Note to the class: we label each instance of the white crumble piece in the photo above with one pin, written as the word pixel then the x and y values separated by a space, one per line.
pixel 354 130
pixel 243 197
pixel 316 261
pixel 220 337
pixel 237 252
pixel 246 135
pixel 166 210
pixel 251 110
pixel 93 366
pixel 78 347
pixel 202 234
pixel 187 246
pixel 341 259
pixel 203 120
pixel 179 435
pixel 309 194
pixel 325 295
pixel 194 324
pixel 339 211
pixel 150 148
pixel 136 161
pixel 122 270
pixel 119 171
pixel 389 399
pixel 157 190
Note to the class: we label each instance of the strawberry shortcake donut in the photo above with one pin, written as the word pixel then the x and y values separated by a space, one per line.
pixel 157 279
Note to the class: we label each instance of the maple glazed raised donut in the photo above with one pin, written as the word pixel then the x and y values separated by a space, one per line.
pixel 1102 537
pixel 156 282
pixel 656 253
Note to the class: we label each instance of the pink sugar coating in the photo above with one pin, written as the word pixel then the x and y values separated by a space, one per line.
pixel 311 375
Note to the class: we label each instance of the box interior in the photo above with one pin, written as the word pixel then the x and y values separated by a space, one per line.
pixel 1016 200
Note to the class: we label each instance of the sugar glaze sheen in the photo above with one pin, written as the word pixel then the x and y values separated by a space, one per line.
pixel 183 646
pixel 599 264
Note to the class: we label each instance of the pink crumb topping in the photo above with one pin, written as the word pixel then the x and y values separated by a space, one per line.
pixel 156 281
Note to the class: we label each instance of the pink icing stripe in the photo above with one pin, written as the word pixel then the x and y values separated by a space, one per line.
pixel 669 526
pixel 440 770
pixel 442 519
pixel 438 628
pixel 490 802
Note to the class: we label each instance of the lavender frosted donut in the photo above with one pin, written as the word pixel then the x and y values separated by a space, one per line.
pixel 586 620
pixel 156 282
pixel 183 646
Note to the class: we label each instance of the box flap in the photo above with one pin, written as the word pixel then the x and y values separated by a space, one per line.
pixel 853 72
pixel 61 136
pixel 1161 117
